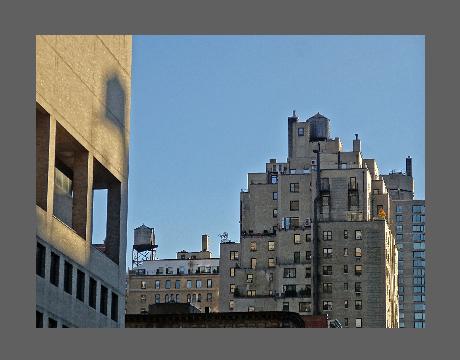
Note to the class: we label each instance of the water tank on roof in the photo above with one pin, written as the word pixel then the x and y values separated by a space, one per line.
pixel 144 238
pixel 319 127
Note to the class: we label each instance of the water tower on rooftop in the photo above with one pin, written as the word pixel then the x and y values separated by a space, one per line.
pixel 144 247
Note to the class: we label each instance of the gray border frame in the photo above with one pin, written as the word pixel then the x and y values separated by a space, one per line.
pixel 438 21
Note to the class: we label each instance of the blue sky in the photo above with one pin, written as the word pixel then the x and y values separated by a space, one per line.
pixel 206 110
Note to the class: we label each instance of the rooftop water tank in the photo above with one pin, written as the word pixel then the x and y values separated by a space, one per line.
pixel 144 238
pixel 319 127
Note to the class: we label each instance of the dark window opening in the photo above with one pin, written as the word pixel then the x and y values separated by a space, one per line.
pixel 38 319
pixel 54 269
pixel 42 141
pixel 52 323
pixel 114 307
pixel 92 293
pixel 68 278
pixel 40 260
pixel 104 298
pixel 80 285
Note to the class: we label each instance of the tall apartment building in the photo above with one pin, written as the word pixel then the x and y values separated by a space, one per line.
pixel 193 277
pixel 83 86
pixel 315 236
pixel 408 219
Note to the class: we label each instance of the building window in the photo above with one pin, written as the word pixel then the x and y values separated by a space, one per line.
pixel 189 298
pixel 345 269
pixel 275 213
pixel 249 278
pixel 418 218
pixel 104 299
pixel 289 273
pixel 68 277
pixel 177 298
pixel 296 257
pixel 358 304
pixel 345 234
pixel 114 307
pixel 271 245
pixel 253 263
pixel 345 251
pixel 270 276
pixel 199 298
pixel 358 270
pixel 308 238
pixel 143 285
pixel 274 179
pixel 327 305
pixel 399 218
pixel 157 284
pixel 209 283
pixel 275 195
pixel 294 187
pixel 232 288
pixel 54 269
pixel 80 285
pixel 358 252
pixel 358 235
pixel 345 286
pixel 285 306
pixel 345 304
pixel 168 284
pixel 198 284
pixel 359 323
pixel 399 237
pixel 419 324
pixel 345 322
pixel 271 262
pixel 327 253
pixel 232 272
pixel 399 209
pixel 296 238
pixel 92 292
pixel 358 287
pixel 327 235
pixel 52 323
pixel 418 209
pixel 38 319
pixel 304 307
pixel 327 288
pixel 177 285
pixel 40 262
pixel 399 229
pixel 253 246
pixel 308 256
pixel 189 284
pixel 193 298
pixel 143 298
pixel 231 305
pixel 233 255
pixel 251 293
pixel 294 205
pixel 300 131
pixel 327 270
pixel 308 273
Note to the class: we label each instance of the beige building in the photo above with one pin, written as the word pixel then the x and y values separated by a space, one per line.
pixel 193 277
pixel 83 89
pixel 315 236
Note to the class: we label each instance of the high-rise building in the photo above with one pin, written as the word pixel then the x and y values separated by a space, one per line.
pixel 408 220
pixel 193 277
pixel 315 235
pixel 83 89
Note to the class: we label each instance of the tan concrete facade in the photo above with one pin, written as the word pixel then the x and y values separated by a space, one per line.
pixel 83 90
pixel 275 266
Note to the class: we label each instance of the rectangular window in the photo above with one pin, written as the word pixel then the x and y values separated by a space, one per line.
pixel 399 218
pixel 399 209
pixel 418 218
pixel 308 256
pixel 358 287
pixel 300 131
pixel 38 319
pixel 358 304
pixel 232 288
pixel 253 246
pixel 418 237
pixel 253 263
pixel 345 286
pixel 104 299
pixel 251 293
pixel 296 238
pixel 296 257
pixel 231 305
pixel 275 213
pixel 271 245
pixel 52 323
pixel 157 298
pixel 358 252
pixel 418 209
pixel 327 305
pixel 345 304
pixel 209 283
pixel 232 272
pixel 289 273
pixel 358 235
pixel 198 284
pixel 80 285
pixel 54 269
pixel 177 298
pixel 233 255
pixel 345 234
pixel 68 278
pixel 294 205
pixel 92 293
pixel 419 246
pixel 285 306
pixel 307 273
pixel 327 270
pixel 274 179
pixel 177 285
pixel 327 235
pixel 345 269
pixel 345 251
pixel 419 324
pixel 399 229
pixel 359 323
pixel 327 253
pixel 189 284
pixel 294 187
pixel 327 288
pixel 209 297
pixel 358 270
pixel 399 237
pixel 308 238
pixel 249 278
pixel 157 284
pixel 143 298
pixel 168 284
pixel 114 307
pixel 345 322
pixel 40 262
pixel 304 307
pixel 418 228
pixel 271 262
pixel 143 284
pixel 275 195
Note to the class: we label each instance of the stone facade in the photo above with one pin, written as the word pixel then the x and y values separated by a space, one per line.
pixel 83 90
pixel 340 261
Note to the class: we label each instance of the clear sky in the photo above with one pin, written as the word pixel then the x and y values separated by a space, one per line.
pixel 206 110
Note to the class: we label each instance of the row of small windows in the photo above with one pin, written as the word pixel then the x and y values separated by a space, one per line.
pixel 415 298
pixel 52 323
pixel 327 252
pixel 416 209
pixel 418 236
pixel 416 218
pixel 415 228
pixel 177 284
pixel 327 269
pixel 80 285
pixel 168 298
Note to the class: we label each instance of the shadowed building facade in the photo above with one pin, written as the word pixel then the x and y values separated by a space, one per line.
pixel 83 89
pixel 315 235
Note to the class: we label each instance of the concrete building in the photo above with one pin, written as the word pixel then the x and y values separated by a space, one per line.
pixel 83 88
pixel 315 235
pixel 408 223
pixel 193 277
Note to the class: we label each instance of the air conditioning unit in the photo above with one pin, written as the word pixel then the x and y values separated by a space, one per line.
pixel 313 162
pixel 307 222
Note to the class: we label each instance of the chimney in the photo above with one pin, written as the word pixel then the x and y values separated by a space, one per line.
pixel 291 121
pixel 356 144
pixel 408 166
pixel 204 242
